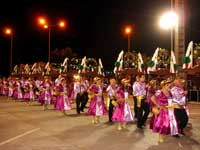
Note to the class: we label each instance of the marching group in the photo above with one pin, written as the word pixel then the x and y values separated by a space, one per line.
pixel 165 99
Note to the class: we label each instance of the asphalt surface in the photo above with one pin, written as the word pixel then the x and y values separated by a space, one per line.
pixel 24 127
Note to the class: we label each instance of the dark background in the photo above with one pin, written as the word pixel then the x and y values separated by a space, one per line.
pixel 95 28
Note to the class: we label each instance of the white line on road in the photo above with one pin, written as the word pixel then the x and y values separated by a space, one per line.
pixel 19 136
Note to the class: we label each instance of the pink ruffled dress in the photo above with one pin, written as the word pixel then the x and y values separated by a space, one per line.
pixel 62 101
pixel 97 106
pixel 122 112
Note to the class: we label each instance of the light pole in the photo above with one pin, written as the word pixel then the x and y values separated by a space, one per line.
pixel 128 32
pixel 42 21
pixel 49 41
pixel 169 20
pixel 9 31
pixel 172 28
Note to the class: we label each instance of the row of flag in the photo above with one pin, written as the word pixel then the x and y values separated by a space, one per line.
pixel 154 60
pixel 120 59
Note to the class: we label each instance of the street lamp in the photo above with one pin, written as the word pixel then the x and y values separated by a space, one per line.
pixel 128 32
pixel 9 32
pixel 169 20
pixel 42 21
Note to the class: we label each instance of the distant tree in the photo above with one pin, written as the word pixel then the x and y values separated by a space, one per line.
pixel 57 56
pixel 68 52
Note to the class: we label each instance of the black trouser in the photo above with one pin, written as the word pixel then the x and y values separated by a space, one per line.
pixel 181 117
pixel 84 101
pixel 135 105
pixel 110 110
pixel 79 101
pixel 142 117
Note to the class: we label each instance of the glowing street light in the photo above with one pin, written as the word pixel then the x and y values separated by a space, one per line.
pixel 8 31
pixel 42 21
pixel 46 26
pixel 62 24
pixel 169 20
pixel 128 32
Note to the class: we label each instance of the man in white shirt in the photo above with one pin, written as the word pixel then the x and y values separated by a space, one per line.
pixel 79 89
pixel 111 91
pixel 142 105
pixel 179 104
pixel 134 87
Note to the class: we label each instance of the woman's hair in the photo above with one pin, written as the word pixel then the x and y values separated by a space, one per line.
pixel 96 79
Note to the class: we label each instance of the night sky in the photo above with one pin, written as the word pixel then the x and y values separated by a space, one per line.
pixel 95 28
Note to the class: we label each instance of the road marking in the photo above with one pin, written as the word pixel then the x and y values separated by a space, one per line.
pixel 19 136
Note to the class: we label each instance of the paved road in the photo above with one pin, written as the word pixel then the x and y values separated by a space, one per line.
pixel 24 127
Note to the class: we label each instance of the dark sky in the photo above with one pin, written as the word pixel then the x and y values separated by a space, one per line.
pixel 95 28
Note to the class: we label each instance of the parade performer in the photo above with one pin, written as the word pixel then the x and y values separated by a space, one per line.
pixel 112 93
pixel 161 122
pixel 142 105
pixel 23 83
pixel 179 104
pixel 122 112
pixel 17 93
pixel 29 94
pixel 151 90
pixel 10 88
pixel 79 89
pixel 62 100
pixel 134 87
pixel 97 106
pixel 58 80
pixel 38 83
pixel 46 97
pixel 4 87
pixel 85 84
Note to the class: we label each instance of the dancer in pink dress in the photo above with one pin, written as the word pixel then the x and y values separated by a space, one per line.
pixel 10 88
pixel 29 94
pixel 58 80
pixel 17 93
pixel 46 97
pixel 122 112
pixel 4 87
pixel 161 123
pixel 151 90
pixel 97 106
pixel 62 101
